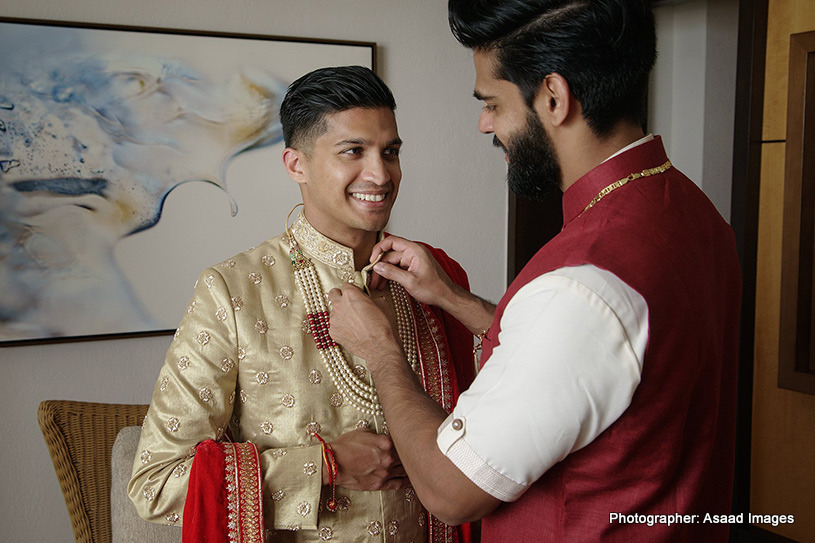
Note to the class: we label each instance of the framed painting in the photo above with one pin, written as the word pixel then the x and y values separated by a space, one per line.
pixel 130 160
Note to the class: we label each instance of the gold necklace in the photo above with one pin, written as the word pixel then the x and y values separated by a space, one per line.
pixel 620 182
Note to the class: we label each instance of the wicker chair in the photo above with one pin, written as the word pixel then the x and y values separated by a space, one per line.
pixel 80 438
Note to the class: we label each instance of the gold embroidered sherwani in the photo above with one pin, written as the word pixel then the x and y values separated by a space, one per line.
pixel 243 366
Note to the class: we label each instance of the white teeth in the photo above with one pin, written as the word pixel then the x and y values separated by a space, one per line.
pixel 368 197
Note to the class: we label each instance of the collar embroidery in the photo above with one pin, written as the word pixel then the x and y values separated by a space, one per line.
pixel 325 250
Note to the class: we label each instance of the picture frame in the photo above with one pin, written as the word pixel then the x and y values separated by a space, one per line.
pixel 131 158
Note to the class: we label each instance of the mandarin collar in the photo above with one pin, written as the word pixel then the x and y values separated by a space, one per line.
pixel 644 156
pixel 326 250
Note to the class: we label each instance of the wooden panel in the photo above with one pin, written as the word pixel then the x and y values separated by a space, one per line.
pixel 797 340
pixel 785 17
pixel 783 430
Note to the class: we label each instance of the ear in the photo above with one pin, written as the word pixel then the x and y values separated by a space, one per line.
pixel 554 100
pixel 294 162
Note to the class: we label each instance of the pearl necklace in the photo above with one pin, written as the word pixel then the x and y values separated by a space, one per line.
pixel 352 387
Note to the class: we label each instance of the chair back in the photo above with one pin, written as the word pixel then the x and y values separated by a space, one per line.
pixel 80 437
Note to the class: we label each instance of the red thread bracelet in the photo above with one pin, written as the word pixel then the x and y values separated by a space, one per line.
pixel 333 470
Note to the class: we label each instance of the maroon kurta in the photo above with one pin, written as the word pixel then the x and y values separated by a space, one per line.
pixel 672 450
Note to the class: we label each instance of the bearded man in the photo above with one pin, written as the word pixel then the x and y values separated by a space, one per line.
pixel 608 383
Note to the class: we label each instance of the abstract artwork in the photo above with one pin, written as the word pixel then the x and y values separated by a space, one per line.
pixel 132 158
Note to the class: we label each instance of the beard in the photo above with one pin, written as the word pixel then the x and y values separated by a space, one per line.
pixel 533 170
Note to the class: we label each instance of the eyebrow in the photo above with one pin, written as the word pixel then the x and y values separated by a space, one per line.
pixel 362 141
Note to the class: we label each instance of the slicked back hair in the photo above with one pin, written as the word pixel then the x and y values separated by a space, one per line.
pixel 605 49
pixel 325 91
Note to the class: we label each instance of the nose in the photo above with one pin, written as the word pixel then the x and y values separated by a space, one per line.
pixel 485 122
pixel 376 171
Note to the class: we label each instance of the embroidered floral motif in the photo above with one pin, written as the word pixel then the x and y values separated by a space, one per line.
pixel 241 353
pixel 393 527
pixel 205 394
pixel 309 468
pixel 343 503
pixel 278 495
pixel 375 528
pixel 220 314
pixel 146 456
pixel 280 453
pixel 268 260
pixel 303 509
pixel 231 397
pixel 209 280
pixel 286 352
pixel 341 258
pixel 409 494
pixel 184 362
pixel 149 493
pixel 227 364
pixel 267 427
pixel 313 428
pixel 173 423
pixel 315 377
pixel 243 396
pixel 422 519
pixel 229 264
pixel 287 401
pixel 347 276
pixel 262 378
pixel 282 300
pixel 203 338
pixel 360 371
pixel 172 518
pixel 255 278
pixel 237 303
pixel 261 326
pixel 326 533
pixel 164 383
pixel 191 308
pixel 180 470
pixel 362 425
pixel 306 326
pixel 336 399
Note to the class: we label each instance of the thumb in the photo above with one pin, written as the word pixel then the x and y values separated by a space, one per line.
pixel 394 273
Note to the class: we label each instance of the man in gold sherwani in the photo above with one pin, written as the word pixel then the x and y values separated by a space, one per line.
pixel 260 426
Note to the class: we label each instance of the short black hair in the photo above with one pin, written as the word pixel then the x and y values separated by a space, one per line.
pixel 329 90
pixel 605 49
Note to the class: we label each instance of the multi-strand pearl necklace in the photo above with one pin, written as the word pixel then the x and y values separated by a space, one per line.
pixel 354 389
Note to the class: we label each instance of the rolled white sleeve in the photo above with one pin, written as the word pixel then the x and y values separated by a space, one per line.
pixel 568 362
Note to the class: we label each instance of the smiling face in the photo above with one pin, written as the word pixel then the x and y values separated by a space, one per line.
pixel 349 176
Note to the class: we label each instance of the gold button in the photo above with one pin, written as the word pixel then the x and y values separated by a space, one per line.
pixel 457 424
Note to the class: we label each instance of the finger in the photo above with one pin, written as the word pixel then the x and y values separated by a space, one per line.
pixel 396 483
pixel 382 247
pixel 377 282
pixel 334 295
pixel 392 243
pixel 394 273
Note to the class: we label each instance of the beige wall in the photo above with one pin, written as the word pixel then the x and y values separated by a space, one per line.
pixel 453 193
pixel 783 457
